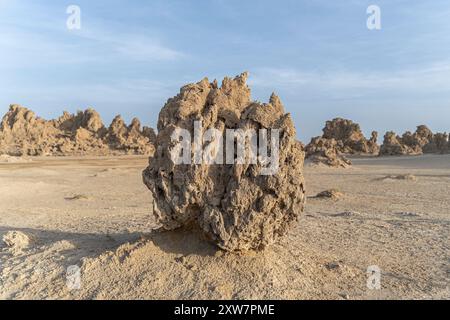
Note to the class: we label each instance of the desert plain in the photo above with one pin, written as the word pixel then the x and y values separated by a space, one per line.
pixel 95 213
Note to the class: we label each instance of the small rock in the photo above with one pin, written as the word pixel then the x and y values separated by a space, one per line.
pixel 333 194
pixel 181 260
pixel 78 197
pixel 18 240
pixel 219 253
pixel 333 266
pixel 346 214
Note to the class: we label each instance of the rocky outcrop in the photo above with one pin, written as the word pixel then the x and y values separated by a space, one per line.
pixel 394 145
pixel 238 205
pixel 421 141
pixel 340 137
pixel 349 137
pixel 440 143
pixel 24 134
pixel 129 139
pixel 325 151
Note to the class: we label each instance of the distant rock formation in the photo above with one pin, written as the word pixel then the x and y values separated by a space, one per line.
pixel 420 142
pixel 325 151
pixel 24 134
pixel 235 205
pixel 340 137
pixel 440 143
pixel 349 137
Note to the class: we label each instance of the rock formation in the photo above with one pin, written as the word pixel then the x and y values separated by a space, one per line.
pixel 419 142
pixel 439 143
pixel 238 206
pixel 340 136
pixel 394 145
pixel 349 137
pixel 24 134
pixel 325 151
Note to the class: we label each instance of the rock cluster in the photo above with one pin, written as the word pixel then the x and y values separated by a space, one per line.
pixel 24 134
pixel 349 137
pixel 325 151
pixel 235 205
pixel 340 137
pixel 419 142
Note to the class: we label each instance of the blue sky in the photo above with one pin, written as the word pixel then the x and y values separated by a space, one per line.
pixel 130 56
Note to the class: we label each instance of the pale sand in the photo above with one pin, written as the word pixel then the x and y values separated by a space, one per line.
pixel 96 213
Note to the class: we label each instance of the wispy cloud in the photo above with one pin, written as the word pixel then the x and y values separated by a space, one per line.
pixel 416 79
pixel 138 47
pixel 28 42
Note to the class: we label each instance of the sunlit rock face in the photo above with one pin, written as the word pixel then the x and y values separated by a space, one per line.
pixel 239 206
pixel 24 134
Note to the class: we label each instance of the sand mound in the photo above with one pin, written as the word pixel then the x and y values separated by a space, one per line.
pixel 419 142
pixel 239 206
pixel 22 133
pixel 180 265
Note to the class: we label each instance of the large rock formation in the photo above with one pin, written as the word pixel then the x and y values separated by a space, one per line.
pixel 238 206
pixel 24 134
pixel 394 145
pixel 340 137
pixel 419 142
pixel 349 137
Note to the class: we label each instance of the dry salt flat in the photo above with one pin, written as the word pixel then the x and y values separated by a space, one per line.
pixel 95 213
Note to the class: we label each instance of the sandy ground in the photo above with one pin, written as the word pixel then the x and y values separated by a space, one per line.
pixel 96 214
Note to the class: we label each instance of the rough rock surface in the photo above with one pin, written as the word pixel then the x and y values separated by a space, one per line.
pixel 236 206
pixel 394 145
pixel 349 137
pixel 325 151
pixel 440 143
pixel 18 241
pixel 340 136
pixel 24 134
pixel 423 140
